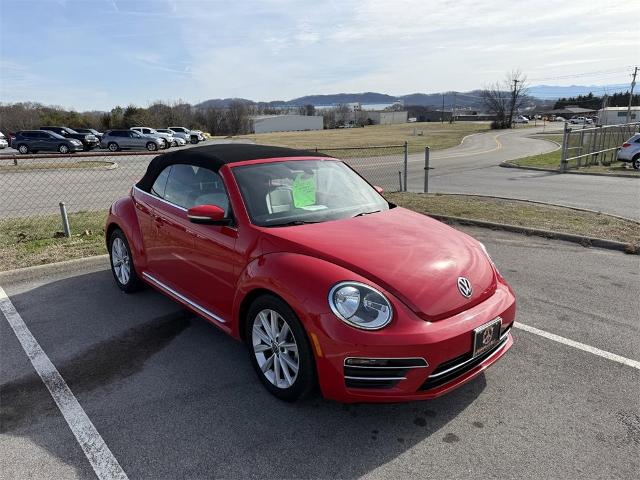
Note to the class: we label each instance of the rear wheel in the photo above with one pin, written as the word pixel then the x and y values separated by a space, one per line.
pixel 23 149
pixel 122 266
pixel 279 349
pixel 636 162
pixel 63 149
pixel 151 146
pixel 113 147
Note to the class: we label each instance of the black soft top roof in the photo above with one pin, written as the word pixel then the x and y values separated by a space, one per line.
pixel 215 156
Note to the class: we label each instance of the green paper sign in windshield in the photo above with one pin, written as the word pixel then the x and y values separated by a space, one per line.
pixel 304 190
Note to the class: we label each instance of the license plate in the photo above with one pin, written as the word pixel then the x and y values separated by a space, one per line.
pixel 486 336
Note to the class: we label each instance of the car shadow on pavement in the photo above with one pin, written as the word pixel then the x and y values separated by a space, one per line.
pixel 173 396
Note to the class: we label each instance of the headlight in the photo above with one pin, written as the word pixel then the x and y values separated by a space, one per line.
pixel 360 305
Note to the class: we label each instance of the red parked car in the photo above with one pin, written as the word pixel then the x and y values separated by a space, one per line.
pixel 326 282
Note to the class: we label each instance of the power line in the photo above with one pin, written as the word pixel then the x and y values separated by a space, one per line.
pixel 583 74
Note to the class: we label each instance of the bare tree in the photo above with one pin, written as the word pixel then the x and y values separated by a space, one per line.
pixel 237 117
pixel 504 99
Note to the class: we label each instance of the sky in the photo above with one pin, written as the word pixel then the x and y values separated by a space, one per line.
pixel 95 54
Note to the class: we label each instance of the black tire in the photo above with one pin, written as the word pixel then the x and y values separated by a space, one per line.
pixel 305 380
pixel 23 149
pixel 166 143
pixel 635 163
pixel 63 149
pixel 194 140
pixel 133 283
pixel 152 146
pixel 113 147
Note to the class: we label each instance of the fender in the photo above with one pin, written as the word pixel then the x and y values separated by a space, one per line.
pixel 122 213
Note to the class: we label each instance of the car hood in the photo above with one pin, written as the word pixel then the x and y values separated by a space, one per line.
pixel 414 257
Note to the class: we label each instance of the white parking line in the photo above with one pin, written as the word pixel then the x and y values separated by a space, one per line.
pixel 580 346
pixel 102 460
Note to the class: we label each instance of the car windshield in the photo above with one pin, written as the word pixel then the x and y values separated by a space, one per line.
pixel 305 191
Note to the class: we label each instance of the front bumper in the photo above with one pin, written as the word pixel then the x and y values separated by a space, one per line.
pixel 446 347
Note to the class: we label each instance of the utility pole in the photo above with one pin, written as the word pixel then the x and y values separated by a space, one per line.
pixel 442 113
pixel 513 101
pixel 453 109
pixel 633 84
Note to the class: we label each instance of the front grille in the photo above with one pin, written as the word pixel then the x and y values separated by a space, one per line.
pixel 455 367
pixel 378 372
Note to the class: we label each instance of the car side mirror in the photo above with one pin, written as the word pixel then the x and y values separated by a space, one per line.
pixel 208 215
pixel 380 190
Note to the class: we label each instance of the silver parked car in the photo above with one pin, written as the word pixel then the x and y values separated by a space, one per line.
pixel 166 137
pixel 629 152
pixel 185 133
pixel 116 140
pixel 3 141
pixel 177 141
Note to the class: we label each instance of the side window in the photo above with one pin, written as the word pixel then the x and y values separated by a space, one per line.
pixel 188 186
pixel 159 185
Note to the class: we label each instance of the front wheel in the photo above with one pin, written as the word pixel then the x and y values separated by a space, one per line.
pixel 113 147
pixel 152 147
pixel 122 266
pixel 63 149
pixel 279 349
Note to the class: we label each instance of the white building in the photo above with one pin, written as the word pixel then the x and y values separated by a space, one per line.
pixel 388 117
pixel 617 115
pixel 285 123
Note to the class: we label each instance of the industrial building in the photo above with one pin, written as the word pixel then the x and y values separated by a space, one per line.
pixel 387 117
pixel 285 123
pixel 617 115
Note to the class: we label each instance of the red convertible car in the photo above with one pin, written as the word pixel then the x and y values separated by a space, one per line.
pixel 326 282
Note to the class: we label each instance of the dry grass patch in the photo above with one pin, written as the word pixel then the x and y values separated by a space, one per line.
pixel 524 214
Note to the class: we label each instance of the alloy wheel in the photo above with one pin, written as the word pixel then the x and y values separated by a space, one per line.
pixel 113 147
pixel 23 149
pixel 120 261
pixel 63 149
pixel 275 348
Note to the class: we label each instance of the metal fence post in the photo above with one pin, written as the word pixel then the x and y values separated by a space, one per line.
pixel 400 180
pixel 406 164
pixel 426 169
pixel 565 145
pixel 65 220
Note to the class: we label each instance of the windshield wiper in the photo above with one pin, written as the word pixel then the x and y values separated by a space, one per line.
pixel 291 223
pixel 362 214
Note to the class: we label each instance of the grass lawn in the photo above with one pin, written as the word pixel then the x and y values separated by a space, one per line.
pixel 36 240
pixel 33 241
pixel 524 214
pixel 434 134
pixel 551 160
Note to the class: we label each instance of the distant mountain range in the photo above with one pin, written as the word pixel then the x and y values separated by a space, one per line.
pixel 471 99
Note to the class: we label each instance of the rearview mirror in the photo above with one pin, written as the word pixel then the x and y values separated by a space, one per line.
pixel 380 190
pixel 208 215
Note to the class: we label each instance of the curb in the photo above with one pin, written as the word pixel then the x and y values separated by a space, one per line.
pixel 538 202
pixel 32 273
pixel 567 237
pixel 508 164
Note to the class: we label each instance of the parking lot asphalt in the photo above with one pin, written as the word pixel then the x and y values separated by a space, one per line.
pixel 173 397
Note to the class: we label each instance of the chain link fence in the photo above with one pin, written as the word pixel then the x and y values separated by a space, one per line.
pixel 34 189
pixel 585 145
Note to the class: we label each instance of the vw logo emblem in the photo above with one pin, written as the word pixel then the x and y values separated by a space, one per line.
pixel 464 287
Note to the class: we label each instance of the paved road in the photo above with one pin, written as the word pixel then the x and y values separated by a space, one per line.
pixel 173 397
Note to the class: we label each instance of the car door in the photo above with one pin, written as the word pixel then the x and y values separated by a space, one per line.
pixel 135 139
pixel 199 261
pixel 46 141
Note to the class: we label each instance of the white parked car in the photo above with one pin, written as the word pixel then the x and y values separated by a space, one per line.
pixel 177 141
pixel 559 119
pixel 520 119
pixel 167 138
pixel 184 133
pixel 3 141
pixel 580 120
pixel 629 152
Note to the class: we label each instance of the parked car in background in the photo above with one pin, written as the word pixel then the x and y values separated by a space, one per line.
pixel 177 141
pixel 520 119
pixel 167 138
pixel 4 143
pixel 89 140
pixel 580 120
pixel 199 134
pixel 89 131
pixel 116 140
pixel 559 119
pixel 629 152
pixel 185 133
pixel 34 141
